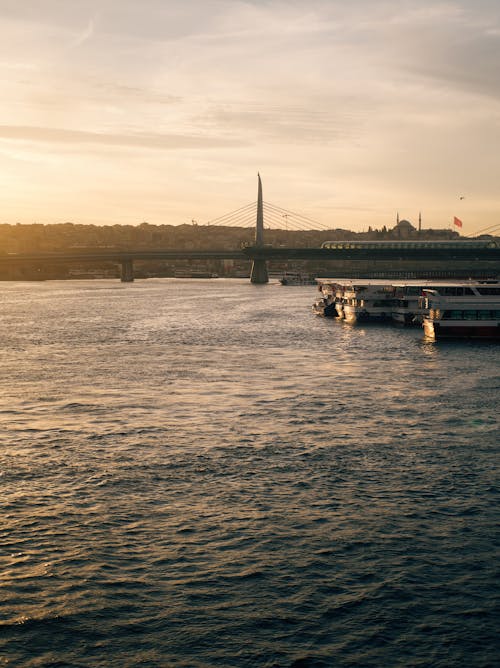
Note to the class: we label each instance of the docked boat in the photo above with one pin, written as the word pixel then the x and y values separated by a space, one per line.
pixel 471 317
pixel 331 303
pixel 186 273
pixel 409 307
pixel 359 300
pixel 368 301
pixel 296 278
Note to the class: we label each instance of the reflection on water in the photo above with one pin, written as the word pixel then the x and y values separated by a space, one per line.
pixel 202 473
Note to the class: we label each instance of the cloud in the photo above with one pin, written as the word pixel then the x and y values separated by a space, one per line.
pixel 84 36
pixel 375 99
pixel 156 141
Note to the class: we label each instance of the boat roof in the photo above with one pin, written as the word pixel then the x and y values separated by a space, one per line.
pixel 408 282
pixel 441 283
pixel 355 281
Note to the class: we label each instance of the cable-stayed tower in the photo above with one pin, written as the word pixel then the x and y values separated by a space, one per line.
pixel 259 273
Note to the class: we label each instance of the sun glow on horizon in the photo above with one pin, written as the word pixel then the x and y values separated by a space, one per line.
pixel 117 115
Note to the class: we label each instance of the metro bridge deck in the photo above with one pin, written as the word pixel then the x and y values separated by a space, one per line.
pixel 255 252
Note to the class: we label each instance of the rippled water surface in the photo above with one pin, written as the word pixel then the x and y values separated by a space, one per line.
pixel 203 473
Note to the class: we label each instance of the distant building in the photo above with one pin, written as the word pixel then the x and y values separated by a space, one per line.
pixel 404 230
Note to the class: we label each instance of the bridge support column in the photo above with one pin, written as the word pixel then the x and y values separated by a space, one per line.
pixel 259 274
pixel 259 266
pixel 127 271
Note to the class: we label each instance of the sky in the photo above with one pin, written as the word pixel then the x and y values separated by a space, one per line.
pixel 120 111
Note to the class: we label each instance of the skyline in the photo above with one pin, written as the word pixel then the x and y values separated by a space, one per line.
pixel 116 112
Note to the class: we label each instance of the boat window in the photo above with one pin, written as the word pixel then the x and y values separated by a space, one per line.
pixel 454 291
pixel 489 291
pixel 485 315
pixel 470 315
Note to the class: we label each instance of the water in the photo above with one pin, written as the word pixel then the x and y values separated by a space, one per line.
pixel 203 473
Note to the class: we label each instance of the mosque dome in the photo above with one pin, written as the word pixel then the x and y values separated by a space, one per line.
pixel 404 229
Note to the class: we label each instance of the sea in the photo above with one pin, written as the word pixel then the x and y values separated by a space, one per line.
pixel 204 474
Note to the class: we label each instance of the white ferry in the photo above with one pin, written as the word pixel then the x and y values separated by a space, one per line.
pixel 463 316
pixel 296 278
pixel 332 302
pixel 408 306
pixel 368 301
pixel 359 300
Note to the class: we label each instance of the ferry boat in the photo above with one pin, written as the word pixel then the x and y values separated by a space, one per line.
pixel 471 317
pixel 368 301
pixel 296 278
pixel 359 300
pixel 408 305
pixel 331 304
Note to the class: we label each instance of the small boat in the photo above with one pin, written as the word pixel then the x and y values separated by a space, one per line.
pixel 296 278
pixel 184 273
pixel 477 317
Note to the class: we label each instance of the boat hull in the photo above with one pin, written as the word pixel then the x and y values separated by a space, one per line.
pixel 324 309
pixel 356 314
pixel 438 330
pixel 405 318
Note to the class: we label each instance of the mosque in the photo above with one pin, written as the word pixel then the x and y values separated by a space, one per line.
pixel 405 230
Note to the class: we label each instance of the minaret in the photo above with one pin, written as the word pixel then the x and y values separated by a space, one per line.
pixel 419 221
pixel 259 273
pixel 397 218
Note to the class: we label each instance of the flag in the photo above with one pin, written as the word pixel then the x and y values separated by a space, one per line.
pixel 457 222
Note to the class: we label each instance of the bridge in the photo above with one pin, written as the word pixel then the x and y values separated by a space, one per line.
pixel 464 260
pixel 124 258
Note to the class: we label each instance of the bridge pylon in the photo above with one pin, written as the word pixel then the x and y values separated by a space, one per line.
pixel 259 273
pixel 127 270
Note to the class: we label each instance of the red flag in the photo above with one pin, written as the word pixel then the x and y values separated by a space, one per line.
pixel 457 222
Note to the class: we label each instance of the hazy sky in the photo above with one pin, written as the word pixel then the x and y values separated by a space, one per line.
pixel 120 111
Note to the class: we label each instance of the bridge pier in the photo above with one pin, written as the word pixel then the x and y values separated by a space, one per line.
pixel 259 274
pixel 127 271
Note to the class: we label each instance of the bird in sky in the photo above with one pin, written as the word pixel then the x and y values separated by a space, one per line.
pixel 461 197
